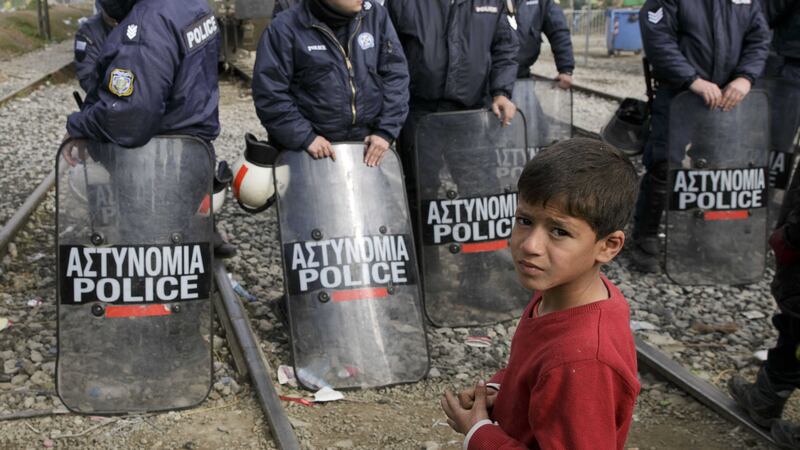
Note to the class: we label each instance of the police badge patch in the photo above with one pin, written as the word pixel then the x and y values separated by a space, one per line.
pixel 365 41
pixel 121 82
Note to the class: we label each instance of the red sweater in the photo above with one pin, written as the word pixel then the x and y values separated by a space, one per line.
pixel 570 382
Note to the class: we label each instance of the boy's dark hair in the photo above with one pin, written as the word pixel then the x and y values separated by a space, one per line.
pixel 588 179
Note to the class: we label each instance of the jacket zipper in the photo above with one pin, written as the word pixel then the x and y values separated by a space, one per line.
pixel 347 62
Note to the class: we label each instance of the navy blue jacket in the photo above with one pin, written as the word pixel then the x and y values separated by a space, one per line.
pixel 460 52
pixel 158 72
pixel 304 85
pixel 89 42
pixel 537 16
pixel 784 18
pixel 716 40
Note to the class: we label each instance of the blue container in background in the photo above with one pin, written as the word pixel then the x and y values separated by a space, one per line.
pixel 622 31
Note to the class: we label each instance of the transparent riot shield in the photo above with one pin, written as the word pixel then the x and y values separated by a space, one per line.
pixel 547 109
pixel 350 270
pixel 134 276
pixel 784 97
pixel 717 215
pixel 467 170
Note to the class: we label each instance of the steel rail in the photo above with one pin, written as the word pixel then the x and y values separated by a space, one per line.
pixel 257 366
pixel 21 216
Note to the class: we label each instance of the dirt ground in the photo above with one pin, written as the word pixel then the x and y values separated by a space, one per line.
pixel 19 32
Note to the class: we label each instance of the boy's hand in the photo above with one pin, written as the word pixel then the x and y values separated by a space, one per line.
pixel 467 397
pixel 461 419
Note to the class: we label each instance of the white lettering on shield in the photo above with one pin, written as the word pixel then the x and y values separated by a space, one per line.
pixel 135 274
pixel 349 262
pixel 475 219
pixel 719 190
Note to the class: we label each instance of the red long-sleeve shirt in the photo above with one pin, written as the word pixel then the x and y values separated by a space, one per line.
pixel 570 382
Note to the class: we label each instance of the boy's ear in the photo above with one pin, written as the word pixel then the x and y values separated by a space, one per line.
pixel 610 246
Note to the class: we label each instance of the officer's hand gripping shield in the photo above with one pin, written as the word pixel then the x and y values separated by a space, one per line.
pixel 718 175
pixel 134 276
pixel 547 109
pixel 467 167
pixel 350 270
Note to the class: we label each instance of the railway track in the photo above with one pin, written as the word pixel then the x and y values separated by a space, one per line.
pixel 251 362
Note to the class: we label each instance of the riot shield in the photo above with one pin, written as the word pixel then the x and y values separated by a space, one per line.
pixel 350 270
pixel 134 276
pixel 717 215
pixel 547 109
pixel 784 98
pixel 467 169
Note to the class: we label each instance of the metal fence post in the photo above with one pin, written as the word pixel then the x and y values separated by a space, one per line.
pixel 588 30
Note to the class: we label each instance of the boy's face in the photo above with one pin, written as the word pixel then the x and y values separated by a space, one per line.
pixel 551 248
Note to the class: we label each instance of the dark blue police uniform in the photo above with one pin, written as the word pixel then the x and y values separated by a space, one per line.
pixel 534 17
pixel 89 42
pixel 157 75
pixel 716 40
pixel 459 52
pixel 307 82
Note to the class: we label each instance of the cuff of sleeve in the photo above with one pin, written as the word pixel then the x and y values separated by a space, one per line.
pixel 689 81
pixel 566 70
pixel 307 142
pixel 746 76
pixel 474 429
pixel 73 126
pixel 389 138
pixel 502 92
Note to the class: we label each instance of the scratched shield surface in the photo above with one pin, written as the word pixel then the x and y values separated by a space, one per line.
pixel 134 276
pixel 718 176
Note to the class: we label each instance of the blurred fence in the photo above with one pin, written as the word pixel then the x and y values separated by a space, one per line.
pixel 581 21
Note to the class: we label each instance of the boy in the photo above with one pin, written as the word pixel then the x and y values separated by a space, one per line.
pixel 571 377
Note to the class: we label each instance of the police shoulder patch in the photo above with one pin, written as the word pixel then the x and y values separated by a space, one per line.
pixel 366 41
pixel 200 32
pixel 120 82
pixel 131 34
pixel 655 16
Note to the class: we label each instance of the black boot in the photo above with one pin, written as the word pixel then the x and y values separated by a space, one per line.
pixel 786 434
pixel 223 249
pixel 649 208
pixel 763 400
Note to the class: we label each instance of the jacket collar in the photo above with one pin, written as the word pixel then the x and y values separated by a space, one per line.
pixel 308 20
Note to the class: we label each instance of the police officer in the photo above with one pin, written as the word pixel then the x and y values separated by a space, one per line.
pixel 461 55
pixel 331 70
pixel 779 376
pixel 282 5
pixel 534 17
pixel 89 42
pixel 714 48
pixel 158 75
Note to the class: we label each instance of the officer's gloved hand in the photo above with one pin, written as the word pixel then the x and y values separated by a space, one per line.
pixel 785 253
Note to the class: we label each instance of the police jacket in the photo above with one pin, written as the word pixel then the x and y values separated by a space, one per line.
pixel 88 42
pixel 459 51
pixel 158 72
pixel 784 18
pixel 533 17
pixel 306 83
pixel 716 40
